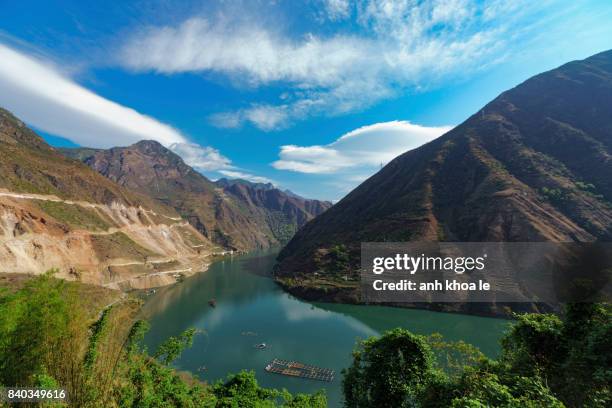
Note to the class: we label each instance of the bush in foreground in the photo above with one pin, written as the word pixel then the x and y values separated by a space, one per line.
pixel 50 338
pixel 546 361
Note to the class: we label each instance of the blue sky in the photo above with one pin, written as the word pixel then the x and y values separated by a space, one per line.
pixel 313 95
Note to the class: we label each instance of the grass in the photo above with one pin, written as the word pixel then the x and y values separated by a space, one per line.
pixel 95 297
pixel 74 215
pixel 119 245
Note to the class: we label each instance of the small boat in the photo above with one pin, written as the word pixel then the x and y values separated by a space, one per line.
pixel 261 346
pixel 212 303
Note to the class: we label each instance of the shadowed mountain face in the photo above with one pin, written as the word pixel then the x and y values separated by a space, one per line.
pixel 236 214
pixel 535 164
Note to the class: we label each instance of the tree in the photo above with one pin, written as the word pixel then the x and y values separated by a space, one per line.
pixel 533 345
pixel 389 371
pixel 37 325
pixel 546 361
pixel 170 349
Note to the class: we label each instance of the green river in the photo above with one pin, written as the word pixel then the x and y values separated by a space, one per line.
pixel 252 309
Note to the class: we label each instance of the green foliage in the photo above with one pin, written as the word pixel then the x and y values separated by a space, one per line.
pixel 585 186
pixel 118 245
pixel 47 339
pixel 97 331
pixel 33 322
pixel 145 383
pixel 533 344
pixel 454 357
pixel 136 335
pixel 571 355
pixel 339 257
pixel 170 349
pixel 334 261
pixel 389 371
pixel 74 215
pixel 546 361
pixel 242 390
pixel 589 188
pixel 555 195
pixel 587 362
pixel 281 226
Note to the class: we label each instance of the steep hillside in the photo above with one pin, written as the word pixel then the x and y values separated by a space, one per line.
pixel 535 164
pixel 284 211
pixel 237 215
pixel 58 213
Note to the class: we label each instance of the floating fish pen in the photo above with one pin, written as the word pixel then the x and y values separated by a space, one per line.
pixel 295 369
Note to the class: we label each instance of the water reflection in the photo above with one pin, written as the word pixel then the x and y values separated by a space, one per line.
pixel 251 309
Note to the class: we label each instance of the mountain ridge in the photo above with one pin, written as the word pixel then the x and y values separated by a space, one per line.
pixel 533 165
pixel 57 213
pixel 238 215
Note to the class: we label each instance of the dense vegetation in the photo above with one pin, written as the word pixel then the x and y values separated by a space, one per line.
pixel 49 337
pixel 546 361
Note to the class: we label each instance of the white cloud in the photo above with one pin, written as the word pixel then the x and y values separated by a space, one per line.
pixel 246 176
pixel 394 45
pixel 337 9
pixel 208 159
pixel 266 117
pixel 203 158
pixel 226 120
pixel 40 95
pixel 250 51
pixel 361 151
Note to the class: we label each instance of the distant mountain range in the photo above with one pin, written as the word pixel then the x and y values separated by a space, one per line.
pixel 535 164
pixel 235 214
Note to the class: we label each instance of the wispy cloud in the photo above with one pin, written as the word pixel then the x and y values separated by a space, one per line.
pixel 265 117
pixel 393 46
pixel 336 9
pixel 361 151
pixel 38 93
pixel 246 176
pixel 207 159
pixel 257 54
pixel 203 158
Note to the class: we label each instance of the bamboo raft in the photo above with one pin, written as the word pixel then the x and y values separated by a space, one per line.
pixel 295 369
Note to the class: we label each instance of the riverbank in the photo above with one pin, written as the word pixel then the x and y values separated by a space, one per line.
pixel 318 289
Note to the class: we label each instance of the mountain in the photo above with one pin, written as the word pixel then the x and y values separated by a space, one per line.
pixel 535 164
pixel 56 212
pixel 225 183
pixel 236 214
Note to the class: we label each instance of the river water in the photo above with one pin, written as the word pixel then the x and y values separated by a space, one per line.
pixel 252 309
